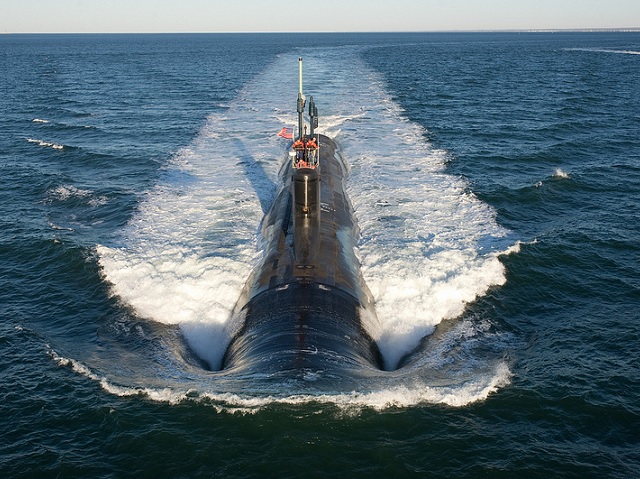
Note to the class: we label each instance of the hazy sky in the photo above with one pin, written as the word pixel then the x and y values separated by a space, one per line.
pixel 21 16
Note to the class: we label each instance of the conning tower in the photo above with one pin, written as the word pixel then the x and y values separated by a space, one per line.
pixel 306 181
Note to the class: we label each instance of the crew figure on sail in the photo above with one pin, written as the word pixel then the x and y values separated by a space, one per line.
pixel 306 152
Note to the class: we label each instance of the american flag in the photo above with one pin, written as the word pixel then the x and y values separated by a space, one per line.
pixel 286 132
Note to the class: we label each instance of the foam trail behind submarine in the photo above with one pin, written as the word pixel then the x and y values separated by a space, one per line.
pixel 302 307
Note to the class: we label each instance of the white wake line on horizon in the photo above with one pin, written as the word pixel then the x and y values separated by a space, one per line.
pixel 604 50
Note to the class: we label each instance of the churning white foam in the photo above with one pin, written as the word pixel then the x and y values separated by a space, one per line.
pixel 428 245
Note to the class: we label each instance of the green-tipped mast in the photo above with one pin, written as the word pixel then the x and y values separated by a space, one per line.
pixel 301 103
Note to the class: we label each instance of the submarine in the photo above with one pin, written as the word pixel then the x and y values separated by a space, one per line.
pixel 304 305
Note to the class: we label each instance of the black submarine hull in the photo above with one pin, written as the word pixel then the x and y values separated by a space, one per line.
pixel 305 304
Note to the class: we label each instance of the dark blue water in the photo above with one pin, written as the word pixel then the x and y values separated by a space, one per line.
pixel 495 177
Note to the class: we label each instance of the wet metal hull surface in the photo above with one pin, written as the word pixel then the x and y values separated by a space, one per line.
pixel 303 307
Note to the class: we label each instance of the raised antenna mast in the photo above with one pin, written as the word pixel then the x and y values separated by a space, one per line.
pixel 301 103
pixel 300 76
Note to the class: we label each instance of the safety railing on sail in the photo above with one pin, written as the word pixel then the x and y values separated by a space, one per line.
pixel 305 153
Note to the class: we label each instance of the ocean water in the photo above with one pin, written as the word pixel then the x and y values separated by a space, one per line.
pixel 495 179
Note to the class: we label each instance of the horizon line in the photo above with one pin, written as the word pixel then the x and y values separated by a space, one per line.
pixel 497 30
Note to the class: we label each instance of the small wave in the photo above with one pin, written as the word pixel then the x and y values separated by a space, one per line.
pixel 38 120
pixel 515 249
pixel 558 174
pixel 69 192
pixel 65 192
pixel 561 174
pixel 47 144
pixel 56 227
pixel 162 395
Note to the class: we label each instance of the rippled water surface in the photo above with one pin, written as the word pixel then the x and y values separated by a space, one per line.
pixel 495 180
